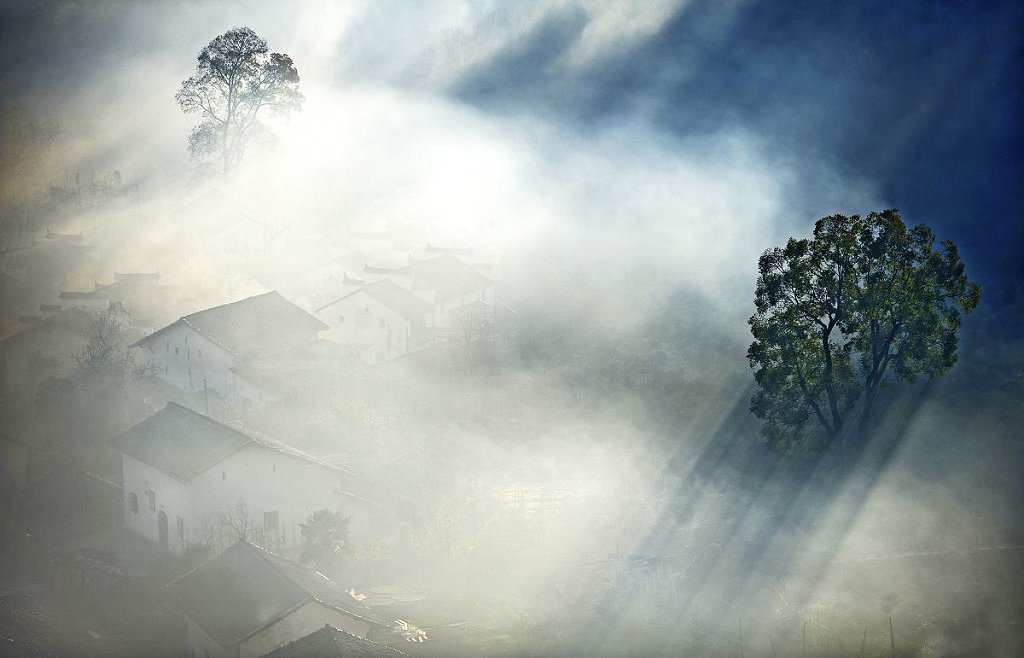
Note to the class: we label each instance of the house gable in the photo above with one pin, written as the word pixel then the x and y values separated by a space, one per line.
pixel 259 324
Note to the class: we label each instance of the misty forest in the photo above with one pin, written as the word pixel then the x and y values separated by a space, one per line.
pixel 572 328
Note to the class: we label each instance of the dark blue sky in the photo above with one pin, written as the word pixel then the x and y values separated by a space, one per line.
pixel 921 100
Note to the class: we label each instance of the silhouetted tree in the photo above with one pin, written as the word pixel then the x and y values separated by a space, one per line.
pixel 105 351
pixel 324 538
pixel 863 302
pixel 236 77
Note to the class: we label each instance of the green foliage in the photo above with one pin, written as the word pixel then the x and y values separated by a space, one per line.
pixel 865 301
pixel 325 537
pixel 236 77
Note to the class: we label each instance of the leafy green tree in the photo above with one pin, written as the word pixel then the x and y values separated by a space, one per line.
pixel 864 302
pixel 236 77
pixel 325 536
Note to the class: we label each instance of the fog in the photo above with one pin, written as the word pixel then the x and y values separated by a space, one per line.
pixel 578 475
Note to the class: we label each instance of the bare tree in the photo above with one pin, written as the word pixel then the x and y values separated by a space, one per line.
pixel 236 77
pixel 241 521
pixel 105 351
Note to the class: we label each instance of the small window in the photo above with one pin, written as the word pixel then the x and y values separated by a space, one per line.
pixel 181 528
pixel 133 503
pixel 380 323
pixel 270 520
pixel 200 352
pixel 275 468
pixel 167 346
pixel 166 368
pixel 223 475
pixel 341 319
pixel 151 497
pixel 175 351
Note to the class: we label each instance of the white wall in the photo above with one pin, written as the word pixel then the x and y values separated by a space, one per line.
pixel 261 479
pixel 267 481
pixel 368 321
pixel 185 359
pixel 442 312
pixel 172 497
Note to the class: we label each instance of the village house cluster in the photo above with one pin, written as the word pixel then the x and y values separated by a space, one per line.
pixel 191 474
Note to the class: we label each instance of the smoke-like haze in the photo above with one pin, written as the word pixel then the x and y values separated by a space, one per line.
pixel 626 164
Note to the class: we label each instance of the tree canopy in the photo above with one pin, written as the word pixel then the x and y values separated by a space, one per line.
pixel 865 301
pixel 236 77
pixel 325 535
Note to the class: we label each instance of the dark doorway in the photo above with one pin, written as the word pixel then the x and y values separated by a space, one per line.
pixel 161 519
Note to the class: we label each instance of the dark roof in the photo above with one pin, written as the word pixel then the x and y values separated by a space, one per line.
pixel 437 249
pixel 26 629
pixel 246 588
pixel 387 269
pixel 260 324
pixel 71 237
pixel 180 442
pixel 183 443
pixel 349 280
pixel 393 296
pixel 69 322
pixel 334 643
pixel 447 276
pixel 93 294
pixel 138 277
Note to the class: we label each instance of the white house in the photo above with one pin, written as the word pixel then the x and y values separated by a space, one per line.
pixel 247 601
pixel 462 297
pixel 382 319
pixel 204 350
pixel 403 308
pixel 190 479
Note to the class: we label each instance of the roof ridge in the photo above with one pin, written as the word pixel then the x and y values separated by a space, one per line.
pixel 212 420
pixel 263 554
pixel 352 292
pixel 189 320
pixel 245 542
pixel 202 333
pixel 363 288
pixel 262 440
pixel 237 301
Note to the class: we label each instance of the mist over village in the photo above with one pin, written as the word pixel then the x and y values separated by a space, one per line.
pixel 573 328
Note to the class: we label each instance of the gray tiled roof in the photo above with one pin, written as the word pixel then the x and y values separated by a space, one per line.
pixel 260 324
pixel 393 296
pixel 180 442
pixel 183 443
pixel 334 643
pixel 246 588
